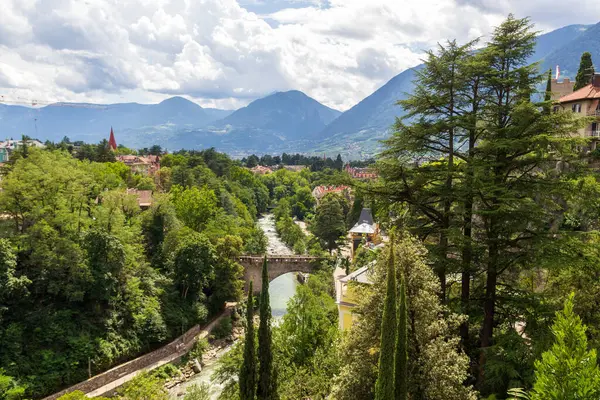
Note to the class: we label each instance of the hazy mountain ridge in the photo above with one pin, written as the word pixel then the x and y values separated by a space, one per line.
pixel 283 121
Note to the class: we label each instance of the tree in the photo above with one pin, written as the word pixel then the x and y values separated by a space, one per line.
pixel 195 207
pixel 144 387
pixel 330 222
pixel 401 353
pixel 585 71
pixel 247 376
pixel 194 265
pixel 267 386
pixel 384 387
pixel 104 153
pixel 9 388
pixel 548 95
pixel 338 163
pixel 569 369
pixel 438 368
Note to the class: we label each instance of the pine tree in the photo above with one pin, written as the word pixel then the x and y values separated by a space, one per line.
pixel 401 356
pixel 568 370
pixel 585 72
pixel 247 378
pixel 266 389
pixel 384 387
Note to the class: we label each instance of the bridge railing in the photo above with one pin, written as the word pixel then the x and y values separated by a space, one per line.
pixel 287 259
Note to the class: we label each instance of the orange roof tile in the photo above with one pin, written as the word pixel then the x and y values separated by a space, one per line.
pixel 588 92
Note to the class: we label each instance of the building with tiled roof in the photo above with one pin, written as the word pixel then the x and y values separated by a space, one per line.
pixel 145 165
pixel 320 191
pixel 347 296
pixel 261 170
pixel 585 101
pixel 360 173
pixel 144 197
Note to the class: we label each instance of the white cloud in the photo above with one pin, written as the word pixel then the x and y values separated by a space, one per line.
pixel 220 54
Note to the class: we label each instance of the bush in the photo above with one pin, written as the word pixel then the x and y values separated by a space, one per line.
pixel 199 348
pixel 197 392
pixel 166 371
pixel 223 328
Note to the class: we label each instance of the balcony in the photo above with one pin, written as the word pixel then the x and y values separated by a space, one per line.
pixel 594 113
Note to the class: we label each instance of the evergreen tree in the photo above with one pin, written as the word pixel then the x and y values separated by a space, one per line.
pixel 247 378
pixel 266 389
pixel 384 387
pixel 568 370
pixel 585 72
pixel 548 96
pixel 401 356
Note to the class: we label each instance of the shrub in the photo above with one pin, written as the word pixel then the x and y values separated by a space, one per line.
pixel 223 328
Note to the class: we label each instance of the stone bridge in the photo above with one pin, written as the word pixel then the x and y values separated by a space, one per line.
pixel 278 265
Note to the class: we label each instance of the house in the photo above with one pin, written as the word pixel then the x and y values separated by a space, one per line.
pixel 261 170
pixel 360 173
pixel 320 191
pixel 8 146
pixel 365 229
pixel 347 295
pixel 144 197
pixel 585 101
pixel 145 165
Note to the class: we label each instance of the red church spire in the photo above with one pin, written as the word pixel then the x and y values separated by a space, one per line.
pixel 112 143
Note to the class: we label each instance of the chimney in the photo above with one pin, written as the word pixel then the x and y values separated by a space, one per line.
pixel 596 80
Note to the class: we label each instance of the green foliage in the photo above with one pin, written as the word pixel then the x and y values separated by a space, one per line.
pixel 144 387
pixel 568 370
pixel 401 351
pixel 247 374
pixel 9 388
pixel 223 329
pixel 329 224
pixel 585 71
pixel 384 386
pixel 197 392
pixel 267 384
pixel 199 349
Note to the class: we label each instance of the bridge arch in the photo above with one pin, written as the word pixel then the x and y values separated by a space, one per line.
pixel 278 265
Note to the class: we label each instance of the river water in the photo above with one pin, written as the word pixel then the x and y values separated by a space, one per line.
pixel 281 290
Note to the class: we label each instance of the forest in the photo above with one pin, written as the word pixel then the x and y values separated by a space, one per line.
pixel 486 287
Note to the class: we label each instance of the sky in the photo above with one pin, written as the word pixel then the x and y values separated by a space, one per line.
pixel 226 53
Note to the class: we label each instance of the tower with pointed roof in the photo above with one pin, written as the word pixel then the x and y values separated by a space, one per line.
pixel 112 143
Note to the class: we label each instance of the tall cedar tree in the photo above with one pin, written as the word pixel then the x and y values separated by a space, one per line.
pixel 266 389
pixel 428 150
pixel 384 387
pixel 247 378
pixel 585 72
pixel 518 188
pixel 401 356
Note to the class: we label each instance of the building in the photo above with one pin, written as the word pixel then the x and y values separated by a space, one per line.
pixel 360 173
pixel 320 191
pixel 144 165
pixel 347 295
pixel 560 89
pixel 261 170
pixel 585 101
pixel 144 197
pixel 365 229
pixel 8 146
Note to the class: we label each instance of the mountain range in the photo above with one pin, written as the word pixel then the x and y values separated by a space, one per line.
pixel 283 121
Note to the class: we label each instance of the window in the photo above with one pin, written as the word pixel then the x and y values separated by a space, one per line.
pixel 576 108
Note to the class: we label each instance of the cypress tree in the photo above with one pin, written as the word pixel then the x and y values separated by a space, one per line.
pixel 266 389
pixel 384 387
pixel 548 96
pixel 247 378
pixel 585 72
pixel 401 356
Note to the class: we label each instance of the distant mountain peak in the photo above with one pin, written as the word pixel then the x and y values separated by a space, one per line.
pixel 178 100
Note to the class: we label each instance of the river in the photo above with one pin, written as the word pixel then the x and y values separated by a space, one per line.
pixel 281 290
